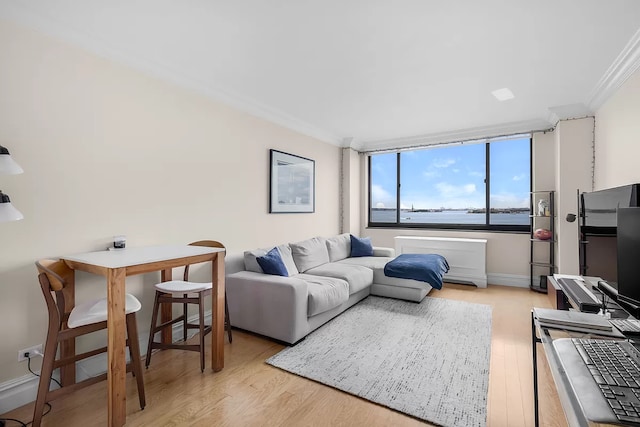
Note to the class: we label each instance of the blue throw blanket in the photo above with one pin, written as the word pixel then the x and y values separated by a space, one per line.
pixel 423 267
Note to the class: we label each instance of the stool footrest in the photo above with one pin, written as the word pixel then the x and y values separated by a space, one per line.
pixel 161 346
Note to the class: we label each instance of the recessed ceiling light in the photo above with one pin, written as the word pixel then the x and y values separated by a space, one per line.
pixel 503 94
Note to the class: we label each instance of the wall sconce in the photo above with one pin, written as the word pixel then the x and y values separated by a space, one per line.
pixel 7 211
pixel 8 166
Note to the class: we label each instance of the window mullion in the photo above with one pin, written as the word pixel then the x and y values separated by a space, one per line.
pixel 487 183
pixel 398 188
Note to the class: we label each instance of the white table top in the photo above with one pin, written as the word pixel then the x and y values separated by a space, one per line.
pixel 139 255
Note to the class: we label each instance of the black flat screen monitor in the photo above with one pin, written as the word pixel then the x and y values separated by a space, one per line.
pixel 628 243
pixel 598 229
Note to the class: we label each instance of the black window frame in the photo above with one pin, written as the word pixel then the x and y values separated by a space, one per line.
pixel 513 228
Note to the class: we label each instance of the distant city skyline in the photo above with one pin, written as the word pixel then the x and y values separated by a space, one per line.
pixel 452 177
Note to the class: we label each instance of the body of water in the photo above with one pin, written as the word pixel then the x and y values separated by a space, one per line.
pixel 449 217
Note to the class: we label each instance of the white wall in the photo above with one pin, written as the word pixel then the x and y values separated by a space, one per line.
pixel 107 150
pixel 351 203
pixel 507 253
pixel 544 161
pixel 574 154
pixel 617 135
pixel 543 179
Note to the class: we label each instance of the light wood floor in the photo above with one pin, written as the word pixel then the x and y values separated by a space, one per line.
pixel 249 392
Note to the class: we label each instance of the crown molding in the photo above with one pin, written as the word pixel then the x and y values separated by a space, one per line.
pixel 567 112
pixel 468 134
pixel 622 68
pixel 23 15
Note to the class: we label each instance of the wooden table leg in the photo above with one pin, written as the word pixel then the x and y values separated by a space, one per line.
pixel 166 312
pixel 68 347
pixel 116 342
pixel 217 306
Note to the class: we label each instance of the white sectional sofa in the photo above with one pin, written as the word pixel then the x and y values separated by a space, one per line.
pixel 323 281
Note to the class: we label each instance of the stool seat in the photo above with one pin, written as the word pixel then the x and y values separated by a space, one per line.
pixel 184 292
pixel 96 311
pixel 68 321
pixel 182 287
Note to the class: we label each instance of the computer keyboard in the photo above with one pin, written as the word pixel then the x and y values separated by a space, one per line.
pixel 627 326
pixel 615 366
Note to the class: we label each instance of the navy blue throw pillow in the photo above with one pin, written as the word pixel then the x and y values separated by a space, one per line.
pixel 271 263
pixel 361 247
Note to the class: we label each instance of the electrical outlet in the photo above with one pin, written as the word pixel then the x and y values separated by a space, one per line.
pixel 35 351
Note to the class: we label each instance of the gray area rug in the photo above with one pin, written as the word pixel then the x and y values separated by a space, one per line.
pixel 429 360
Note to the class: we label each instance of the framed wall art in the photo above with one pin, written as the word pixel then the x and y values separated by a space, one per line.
pixel 291 183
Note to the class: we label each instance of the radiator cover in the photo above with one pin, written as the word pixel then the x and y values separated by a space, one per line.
pixel 467 258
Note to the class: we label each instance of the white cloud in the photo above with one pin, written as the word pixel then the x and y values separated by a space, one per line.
pixel 509 200
pixel 443 163
pixel 381 196
pixel 431 174
pixel 451 191
pixel 519 177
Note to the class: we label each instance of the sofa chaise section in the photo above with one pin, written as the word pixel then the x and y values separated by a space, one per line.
pixel 323 281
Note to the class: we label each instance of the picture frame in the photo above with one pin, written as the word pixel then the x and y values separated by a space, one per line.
pixel 291 183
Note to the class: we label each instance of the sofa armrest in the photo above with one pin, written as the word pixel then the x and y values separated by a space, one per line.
pixel 233 263
pixel 380 251
pixel 269 305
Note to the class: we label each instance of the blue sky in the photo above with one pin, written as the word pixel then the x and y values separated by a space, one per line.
pixel 453 176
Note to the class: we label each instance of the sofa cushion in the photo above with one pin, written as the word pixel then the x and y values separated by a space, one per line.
pixel 324 293
pixel 375 263
pixel 339 247
pixel 250 263
pixel 372 262
pixel 357 276
pixel 309 253
pixel 271 263
pixel 361 246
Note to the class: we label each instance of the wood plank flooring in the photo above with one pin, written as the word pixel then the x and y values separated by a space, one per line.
pixel 249 392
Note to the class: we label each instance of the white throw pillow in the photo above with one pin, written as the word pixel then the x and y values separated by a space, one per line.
pixel 251 264
pixel 339 247
pixel 310 253
pixel 287 258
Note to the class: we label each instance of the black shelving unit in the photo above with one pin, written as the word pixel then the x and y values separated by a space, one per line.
pixel 545 265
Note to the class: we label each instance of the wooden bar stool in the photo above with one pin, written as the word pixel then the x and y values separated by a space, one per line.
pixel 70 322
pixel 185 292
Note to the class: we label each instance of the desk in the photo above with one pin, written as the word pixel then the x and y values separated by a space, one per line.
pixel 115 266
pixel 568 399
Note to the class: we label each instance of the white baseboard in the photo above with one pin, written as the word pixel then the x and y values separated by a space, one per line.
pixel 508 280
pixel 20 391
pixel 17 392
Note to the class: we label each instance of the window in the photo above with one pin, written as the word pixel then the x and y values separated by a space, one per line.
pixel 384 194
pixel 466 186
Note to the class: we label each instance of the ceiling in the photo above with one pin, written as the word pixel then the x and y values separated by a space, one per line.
pixel 370 74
